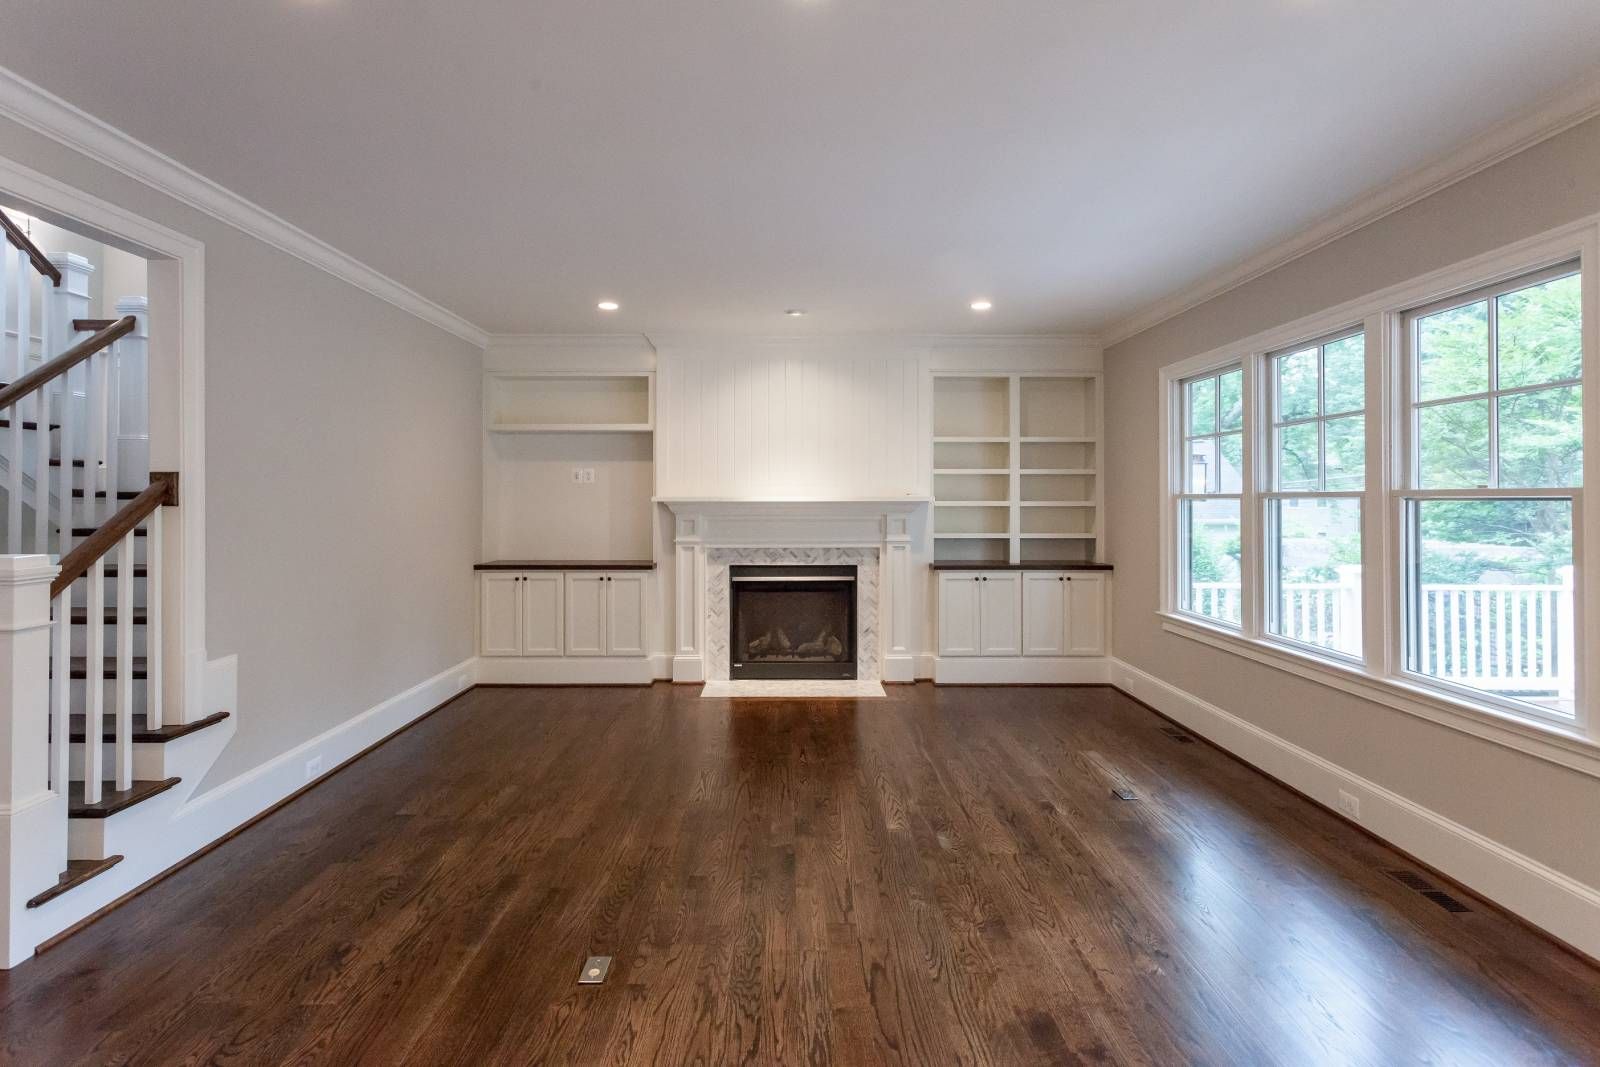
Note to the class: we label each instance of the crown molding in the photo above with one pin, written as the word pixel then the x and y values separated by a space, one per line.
pixel 568 340
pixel 43 112
pixel 1557 113
pixel 868 340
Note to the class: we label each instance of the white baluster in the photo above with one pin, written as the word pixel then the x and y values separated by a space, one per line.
pixel 95 465
pixel 131 453
pixel 61 691
pixel 152 623
pixel 124 731
pixel 69 301
pixel 41 473
pixel 94 691
pixel 28 406
pixel 20 269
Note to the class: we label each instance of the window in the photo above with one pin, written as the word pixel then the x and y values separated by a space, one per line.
pixel 1424 548
pixel 1497 459
pixel 1212 484
pixel 1313 518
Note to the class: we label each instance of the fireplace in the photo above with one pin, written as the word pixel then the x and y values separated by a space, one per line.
pixel 791 621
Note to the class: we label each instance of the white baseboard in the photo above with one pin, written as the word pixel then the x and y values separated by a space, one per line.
pixel 661 666
pixel 1565 907
pixel 899 668
pixel 1020 670
pixel 200 820
pixel 565 670
pixel 688 668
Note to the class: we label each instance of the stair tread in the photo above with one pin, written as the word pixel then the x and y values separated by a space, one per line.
pixel 5 424
pixel 142 735
pixel 76 463
pixel 80 616
pixel 113 800
pixel 100 494
pixel 77 873
pixel 80 668
pixel 88 531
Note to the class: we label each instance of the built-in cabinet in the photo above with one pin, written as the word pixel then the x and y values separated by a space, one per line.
pixel 559 626
pixel 1020 625
pixel 605 614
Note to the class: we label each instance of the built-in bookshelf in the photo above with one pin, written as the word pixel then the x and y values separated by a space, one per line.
pixel 1016 467
pixel 568 403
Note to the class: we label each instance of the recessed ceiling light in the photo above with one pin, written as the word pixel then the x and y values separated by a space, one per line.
pixel 608 305
pixel 795 313
pixel 981 305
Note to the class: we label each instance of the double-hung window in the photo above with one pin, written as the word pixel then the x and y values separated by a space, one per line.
pixel 1209 501
pixel 1490 491
pixel 1317 461
pixel 1390 493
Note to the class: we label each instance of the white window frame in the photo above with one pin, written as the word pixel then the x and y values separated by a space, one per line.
pixel 1271 494
pixel 1381 676
pixel 1186 496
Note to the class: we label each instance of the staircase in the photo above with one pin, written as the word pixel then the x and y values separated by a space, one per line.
pixel 94 762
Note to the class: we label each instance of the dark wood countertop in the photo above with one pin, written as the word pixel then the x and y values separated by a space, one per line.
pixel 566 565
pixel 1033 565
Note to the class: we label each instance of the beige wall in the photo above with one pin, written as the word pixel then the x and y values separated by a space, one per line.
pixel 342 452
pixel 1547 812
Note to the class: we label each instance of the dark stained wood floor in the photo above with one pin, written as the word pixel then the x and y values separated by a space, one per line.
pixel 941 878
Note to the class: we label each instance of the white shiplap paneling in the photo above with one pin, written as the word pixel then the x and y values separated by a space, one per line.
pixel 791 421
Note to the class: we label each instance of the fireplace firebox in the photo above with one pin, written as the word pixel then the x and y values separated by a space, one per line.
pixel 792 621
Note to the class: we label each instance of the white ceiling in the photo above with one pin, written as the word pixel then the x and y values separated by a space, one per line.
pixel 880 163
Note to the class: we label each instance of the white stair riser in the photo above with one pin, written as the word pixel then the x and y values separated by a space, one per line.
pixel 123 833
pixel 149 760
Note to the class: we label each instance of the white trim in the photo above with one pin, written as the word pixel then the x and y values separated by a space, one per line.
pixel 1555 902
pixel 1021 670
pixel 567 670
pixel 48 197
pixel 1577 240
pixel 189 825
pixel 1554 115
pixel 1533 737
pixel 43 112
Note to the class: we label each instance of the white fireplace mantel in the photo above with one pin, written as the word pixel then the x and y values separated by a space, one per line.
pixel 882 525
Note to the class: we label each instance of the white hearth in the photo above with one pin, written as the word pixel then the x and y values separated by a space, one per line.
pixel 712 534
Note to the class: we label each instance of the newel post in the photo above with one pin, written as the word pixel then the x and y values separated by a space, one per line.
pixel 33 823
pixel 130 397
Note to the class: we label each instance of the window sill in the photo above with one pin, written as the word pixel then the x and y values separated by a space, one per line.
pixel 1567 748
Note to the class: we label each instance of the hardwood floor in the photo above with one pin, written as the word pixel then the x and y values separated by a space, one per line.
pixel 943 877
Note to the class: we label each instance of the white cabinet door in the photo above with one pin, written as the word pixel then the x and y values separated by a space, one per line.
pixel 958 613
pixel 1044 613
pixel 1000 614
pixel 625 607
pixel 586 614
pixel 541 614
pixel 1086 615
pixel 500 614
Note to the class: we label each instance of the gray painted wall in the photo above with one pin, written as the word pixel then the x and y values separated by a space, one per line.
pixel 343 478
pixel 1544 811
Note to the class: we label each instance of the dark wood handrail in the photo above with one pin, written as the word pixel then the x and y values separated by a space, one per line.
pixel 161 492
pixel 43 375
pixel 90 325
pixel 41 262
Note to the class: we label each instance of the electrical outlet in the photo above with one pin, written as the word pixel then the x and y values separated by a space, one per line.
pixel 588 476
pixel 577 475
pixel 313 767
pixel 1350 804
